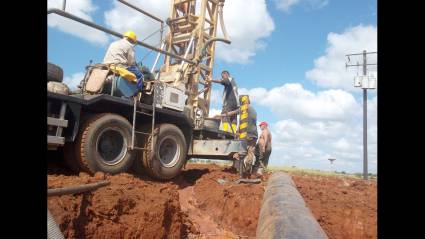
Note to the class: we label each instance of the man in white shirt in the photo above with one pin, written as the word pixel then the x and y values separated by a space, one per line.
pixel 121 53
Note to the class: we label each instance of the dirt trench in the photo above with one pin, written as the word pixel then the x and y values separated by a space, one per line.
pixel 345 207
pixel 203 202
pixel 194 205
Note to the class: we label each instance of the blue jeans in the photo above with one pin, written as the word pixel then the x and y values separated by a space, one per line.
pixel 139 75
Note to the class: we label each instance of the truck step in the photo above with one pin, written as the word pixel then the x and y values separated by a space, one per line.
pixel 55 140
pixel 139 132
pixel 141 112
pixel 57 122
pixel 139 148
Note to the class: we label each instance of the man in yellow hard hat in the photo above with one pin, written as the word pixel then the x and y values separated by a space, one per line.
pixel 121 53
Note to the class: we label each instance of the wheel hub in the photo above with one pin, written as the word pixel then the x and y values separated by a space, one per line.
pixel 111 146
pixel 169 151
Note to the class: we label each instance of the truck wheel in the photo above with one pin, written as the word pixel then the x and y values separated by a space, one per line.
pixel 103 144
pixel 54 73
pixel 69 157
pixel 169 153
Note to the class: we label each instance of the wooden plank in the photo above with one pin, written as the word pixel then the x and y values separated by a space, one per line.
pixel 205 68
pixel 187 27
pixel 182 37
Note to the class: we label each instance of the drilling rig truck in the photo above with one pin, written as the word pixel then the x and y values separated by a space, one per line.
pixel 106 128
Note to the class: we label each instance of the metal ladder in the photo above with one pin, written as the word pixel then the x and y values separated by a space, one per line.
pixel 135 113
pixel 60 123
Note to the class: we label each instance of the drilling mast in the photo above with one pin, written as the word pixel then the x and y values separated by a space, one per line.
pixel 190 36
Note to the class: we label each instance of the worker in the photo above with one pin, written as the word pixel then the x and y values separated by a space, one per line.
pixel 230 101
pixel 264 147
pixel 121 53
pixel 252 134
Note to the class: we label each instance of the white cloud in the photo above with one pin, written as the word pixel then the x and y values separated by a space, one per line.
pixel 244 32
pixel 216 97
pixel 308 146
pixel 83 9
pixel 286 5
pixel 314 126
pixel 213 112
pixel 122 18
pixel 329 70
pixel 293 101
pixel 73 80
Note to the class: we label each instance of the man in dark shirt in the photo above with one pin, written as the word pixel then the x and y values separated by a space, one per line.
pixel 230 101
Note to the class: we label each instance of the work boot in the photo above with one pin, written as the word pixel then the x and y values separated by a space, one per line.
pixel 260 171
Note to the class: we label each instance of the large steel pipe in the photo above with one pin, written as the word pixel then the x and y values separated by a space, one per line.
pixel 284 214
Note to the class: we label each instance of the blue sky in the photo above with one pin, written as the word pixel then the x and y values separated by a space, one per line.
pixel 283 46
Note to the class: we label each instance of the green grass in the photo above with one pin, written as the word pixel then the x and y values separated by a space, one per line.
pixel 288 169
pixel 293 169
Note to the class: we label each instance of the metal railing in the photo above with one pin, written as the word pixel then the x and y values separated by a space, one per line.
pixel 114 33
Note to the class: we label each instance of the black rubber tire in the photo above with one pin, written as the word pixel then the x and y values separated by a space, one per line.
pixel 69 157
pixel 54 73
pixel 86 149
pixel 151 161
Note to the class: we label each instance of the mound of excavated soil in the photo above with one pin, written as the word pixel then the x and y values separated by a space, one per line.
pixel 127 208
pixel 235 207
pixel 203 202
pixel 222 210
pixel 194 205
pixel 345 207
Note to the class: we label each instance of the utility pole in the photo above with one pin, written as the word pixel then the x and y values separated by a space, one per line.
pixel 364 82
pixel 365 171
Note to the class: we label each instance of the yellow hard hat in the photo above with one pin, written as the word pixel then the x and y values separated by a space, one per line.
pixel 131 35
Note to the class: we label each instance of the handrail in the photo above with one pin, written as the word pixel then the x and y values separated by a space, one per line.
pixel 103 29
pixel 141 11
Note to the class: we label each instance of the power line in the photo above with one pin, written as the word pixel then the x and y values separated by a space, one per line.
pixel 365 64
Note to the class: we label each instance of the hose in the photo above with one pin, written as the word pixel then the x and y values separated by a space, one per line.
pixel 76 189
pixel 220 15
pixel 203 51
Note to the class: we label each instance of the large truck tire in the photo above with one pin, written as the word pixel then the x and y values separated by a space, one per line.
pixel 103 144
pixel 54 73
pixel 169 152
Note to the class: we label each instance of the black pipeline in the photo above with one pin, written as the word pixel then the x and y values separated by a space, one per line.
pixel 284 214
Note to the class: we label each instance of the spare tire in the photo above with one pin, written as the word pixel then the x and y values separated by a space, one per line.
pixel 54 73
pixel 58 87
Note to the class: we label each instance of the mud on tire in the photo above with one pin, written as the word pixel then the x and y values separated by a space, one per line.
pixel 169 153
pixel 102 144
